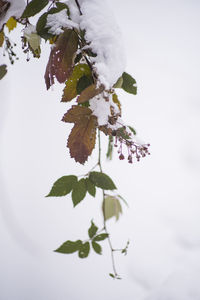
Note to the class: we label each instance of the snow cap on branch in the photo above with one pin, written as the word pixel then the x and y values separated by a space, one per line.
pixel 58 21
pixel 105 40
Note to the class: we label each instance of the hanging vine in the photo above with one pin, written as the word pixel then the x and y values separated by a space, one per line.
pixel 81 60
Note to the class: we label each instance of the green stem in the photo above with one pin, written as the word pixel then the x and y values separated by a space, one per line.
pixel 104 220
pixel 99 156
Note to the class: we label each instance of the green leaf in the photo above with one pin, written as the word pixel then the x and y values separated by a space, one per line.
pixel 83 83
pixel 112 275
pixel 79 192
pixel 119 83
pixel 69 247
pixel 102 180
pixel 90 187
pixel 97 248
pixel 34 7
pixel 60 6
pixel 70 90
pixel 41 28
pixel 63 186
pixel 133 130
pixel 129 84
pixel 100 237
pixel 111 208
pixel 125 250
pixel 92 230
pixel 3 71
pixel 84 250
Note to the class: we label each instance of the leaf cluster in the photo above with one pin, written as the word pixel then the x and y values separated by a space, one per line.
pixel 83 247
pixel 79 188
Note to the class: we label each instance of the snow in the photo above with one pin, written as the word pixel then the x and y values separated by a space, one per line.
pixel 101 109
pixel 58 21
pixel 102 35
pixel 29 29
pixel 105 40
pixel 183 284
pixel 15 10
pixel 74 12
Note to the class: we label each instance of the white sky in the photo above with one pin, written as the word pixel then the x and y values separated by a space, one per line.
pixel 163 262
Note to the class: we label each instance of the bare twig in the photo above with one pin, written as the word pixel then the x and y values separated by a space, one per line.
pixel 79 8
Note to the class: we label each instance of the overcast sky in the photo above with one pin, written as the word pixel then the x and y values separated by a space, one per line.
pixel 161 40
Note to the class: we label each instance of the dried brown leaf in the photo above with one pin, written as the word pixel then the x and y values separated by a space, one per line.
pixel 82 138
pixel 90 92
pixel 61 60
pixel 106 130
pixel 77 114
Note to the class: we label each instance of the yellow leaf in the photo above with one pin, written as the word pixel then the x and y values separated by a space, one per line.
pixel 70 91
pixel 52 40
pixel 1 38
pixel 11 24
pixel 116 101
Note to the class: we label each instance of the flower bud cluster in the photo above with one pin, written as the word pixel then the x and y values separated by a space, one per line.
pixel 135 150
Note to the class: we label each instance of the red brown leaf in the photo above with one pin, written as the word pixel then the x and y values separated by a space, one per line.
pixel 61 59
pixel 82 138
pixel 77 114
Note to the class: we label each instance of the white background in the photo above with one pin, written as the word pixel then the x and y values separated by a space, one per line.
pixel 161 39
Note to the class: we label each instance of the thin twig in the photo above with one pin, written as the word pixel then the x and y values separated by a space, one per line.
pixel 79 8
